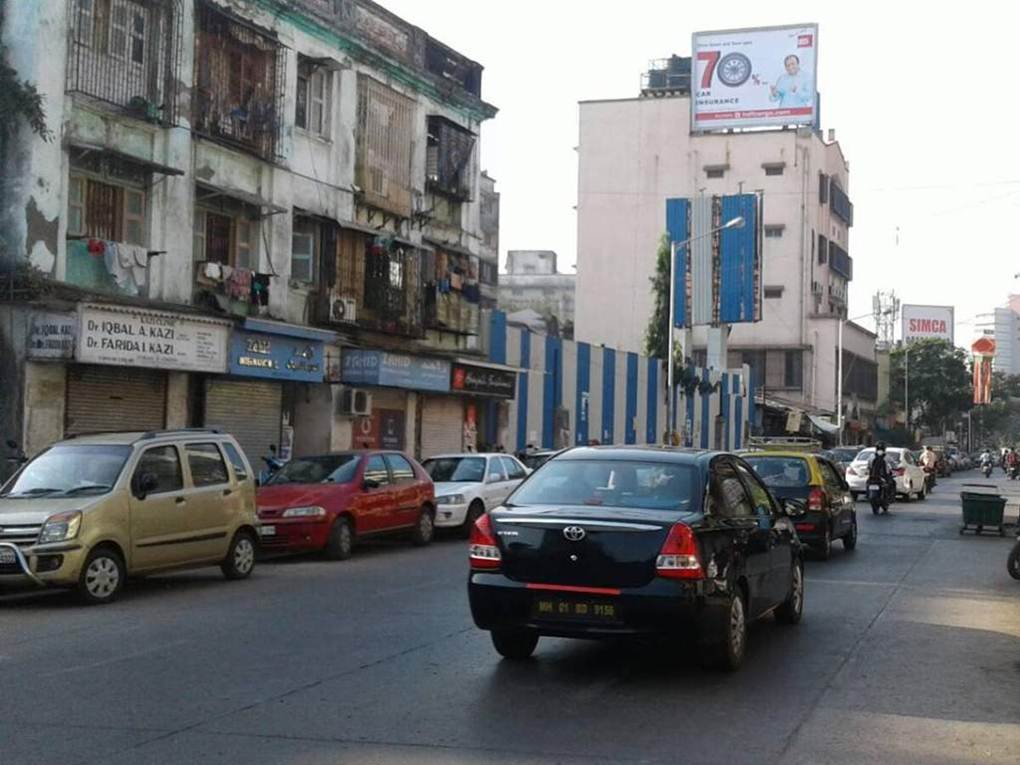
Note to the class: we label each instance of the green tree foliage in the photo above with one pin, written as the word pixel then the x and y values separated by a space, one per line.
pixel 19 100
pixel 657 333
pixel 940 382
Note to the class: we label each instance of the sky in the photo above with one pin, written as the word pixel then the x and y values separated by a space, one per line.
pixel 924 101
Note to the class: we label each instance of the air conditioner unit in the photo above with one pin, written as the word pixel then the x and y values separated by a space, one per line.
pixel 343 310
pixel 355 402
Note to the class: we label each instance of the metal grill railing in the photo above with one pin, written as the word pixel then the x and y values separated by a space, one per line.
pixel 126 53
pixel 385 139
pixel 239 83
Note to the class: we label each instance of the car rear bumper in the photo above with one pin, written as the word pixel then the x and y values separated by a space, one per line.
pixel 663 606
pixel 276 535
pixel 811 527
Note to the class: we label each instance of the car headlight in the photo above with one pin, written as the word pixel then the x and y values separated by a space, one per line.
pixel 60 527
pixel 304 512
pixel 450 499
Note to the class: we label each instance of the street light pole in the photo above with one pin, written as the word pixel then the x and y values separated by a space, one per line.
pixel 674 247
pixel 906 385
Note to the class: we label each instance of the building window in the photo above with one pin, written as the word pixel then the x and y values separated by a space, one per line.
pixel 773 292
pixel 823 188
pixel 487 273
pixel 823 250
pixel 775 168
pixel 774 232
pixel 383 170
pixel 842 208
pixel 794 369
pixel 103 204
pixel 314 84
pixel 227 233
pixel 448 155
pixel 238 94
pixel 305 240
pixel 125 52
pixel 715 171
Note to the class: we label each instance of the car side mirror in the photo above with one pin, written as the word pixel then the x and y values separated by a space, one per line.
pixel 145 484
pixel 794 506
pixel 12 444
pixel 368 484
pixel 495 478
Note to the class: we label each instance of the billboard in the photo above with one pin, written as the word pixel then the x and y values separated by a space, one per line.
pixel 983 351
pixel 718 271
pixel 921 322
pixel 746 78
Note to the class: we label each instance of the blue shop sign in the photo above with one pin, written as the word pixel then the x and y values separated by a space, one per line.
pixel 395 370
pixel 276 357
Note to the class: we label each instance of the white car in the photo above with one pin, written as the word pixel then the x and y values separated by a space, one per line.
pixel 908 473
pixel 469 484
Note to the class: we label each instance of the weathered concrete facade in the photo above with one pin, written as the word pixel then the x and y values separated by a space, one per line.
pixel 321 146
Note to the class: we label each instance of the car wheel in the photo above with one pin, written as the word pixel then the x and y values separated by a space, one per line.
pixel 791 609
pixel 340 544
pixel 855 495
pixel 424 529
pixel 922 494
pixel 728 649
pixel 734 69
pixel 240 560
pixel 475 511
pixel 850 540
pixel 1013 561
pixel 825 546
pixel 102 577
pixel 515 645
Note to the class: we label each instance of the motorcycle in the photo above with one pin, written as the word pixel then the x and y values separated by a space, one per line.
pixel 929 479
pixel 273 465
pixel 987 469
pixel 881 496
pixel 1014 471
pixel 1013 561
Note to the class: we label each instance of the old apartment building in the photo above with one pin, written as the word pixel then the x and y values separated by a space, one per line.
pixel 260 214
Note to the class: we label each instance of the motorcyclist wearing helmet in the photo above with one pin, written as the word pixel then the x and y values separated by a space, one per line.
pixel 879 472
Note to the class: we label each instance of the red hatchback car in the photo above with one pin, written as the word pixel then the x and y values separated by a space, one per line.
pixel 330 501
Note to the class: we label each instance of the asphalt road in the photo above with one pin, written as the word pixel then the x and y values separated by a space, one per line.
pixel 909 652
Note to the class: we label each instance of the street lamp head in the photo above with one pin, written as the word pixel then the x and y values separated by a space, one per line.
pixel 737 222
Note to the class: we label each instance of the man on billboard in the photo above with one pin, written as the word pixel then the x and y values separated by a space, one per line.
pixel 793 88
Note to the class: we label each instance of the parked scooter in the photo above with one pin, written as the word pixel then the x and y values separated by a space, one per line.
pixel 1013 561
pixel 273 465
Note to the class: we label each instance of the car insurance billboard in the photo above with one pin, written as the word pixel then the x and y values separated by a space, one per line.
pixel 746 78
pixel 922 322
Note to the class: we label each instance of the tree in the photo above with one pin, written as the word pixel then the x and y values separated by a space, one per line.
pixel 19 99
pixel 998 423
pixel 939 382
pixel 657 333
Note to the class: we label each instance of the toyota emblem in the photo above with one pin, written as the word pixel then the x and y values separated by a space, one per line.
pixel 574 533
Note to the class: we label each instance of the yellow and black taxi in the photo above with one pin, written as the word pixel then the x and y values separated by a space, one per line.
pixel 822 506
pixel 608 542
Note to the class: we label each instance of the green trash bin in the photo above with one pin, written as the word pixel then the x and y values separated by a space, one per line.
pixel 982 511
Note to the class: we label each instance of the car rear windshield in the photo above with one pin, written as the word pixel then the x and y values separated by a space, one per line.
pixel 70 469
pixel 844 455
pixel 455 469
pixel 617 483
pixel 330 468
pixel 867 455
pixel 781 472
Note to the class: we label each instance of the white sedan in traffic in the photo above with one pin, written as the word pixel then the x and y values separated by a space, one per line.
pixel 909 475
pixel 469 484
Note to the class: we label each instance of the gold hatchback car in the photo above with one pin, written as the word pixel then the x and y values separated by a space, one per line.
pixel 91 511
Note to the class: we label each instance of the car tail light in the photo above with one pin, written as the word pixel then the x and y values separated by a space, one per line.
pixel 804 526
pixel 816 499
pixel 678 558
pixel 899 471
pixel 484 553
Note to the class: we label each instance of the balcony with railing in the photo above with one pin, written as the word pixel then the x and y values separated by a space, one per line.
pixel 126 53
pixel 239 82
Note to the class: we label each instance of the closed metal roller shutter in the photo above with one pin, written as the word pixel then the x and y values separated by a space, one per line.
pixel 114 398
pixel 249 411
pixel 442 426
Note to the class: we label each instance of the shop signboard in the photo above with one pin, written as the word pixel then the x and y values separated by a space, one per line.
pixel 51 335
pixel 922 322
pixel 747 78
pixel 483 381
pixel 395 370
pixel 137 337
pixel 276 357
pixel 383 429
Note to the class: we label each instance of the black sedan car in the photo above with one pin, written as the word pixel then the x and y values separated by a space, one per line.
pixel 605 542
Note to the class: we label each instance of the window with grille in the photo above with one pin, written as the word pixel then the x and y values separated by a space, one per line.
pixel 304 248
pixel 100 207
pixel 126 52
pixel 774 169
pixel 773 292
pixel 385 137
pixel 715 172
pixel 313 90
pixel 774 232
pixel 227 235
pixel 448 158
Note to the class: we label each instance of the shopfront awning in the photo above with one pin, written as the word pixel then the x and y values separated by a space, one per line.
pixel 383 233
pixel 106 151
pixel 822 424
pixel 211 192
pixel 452 247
